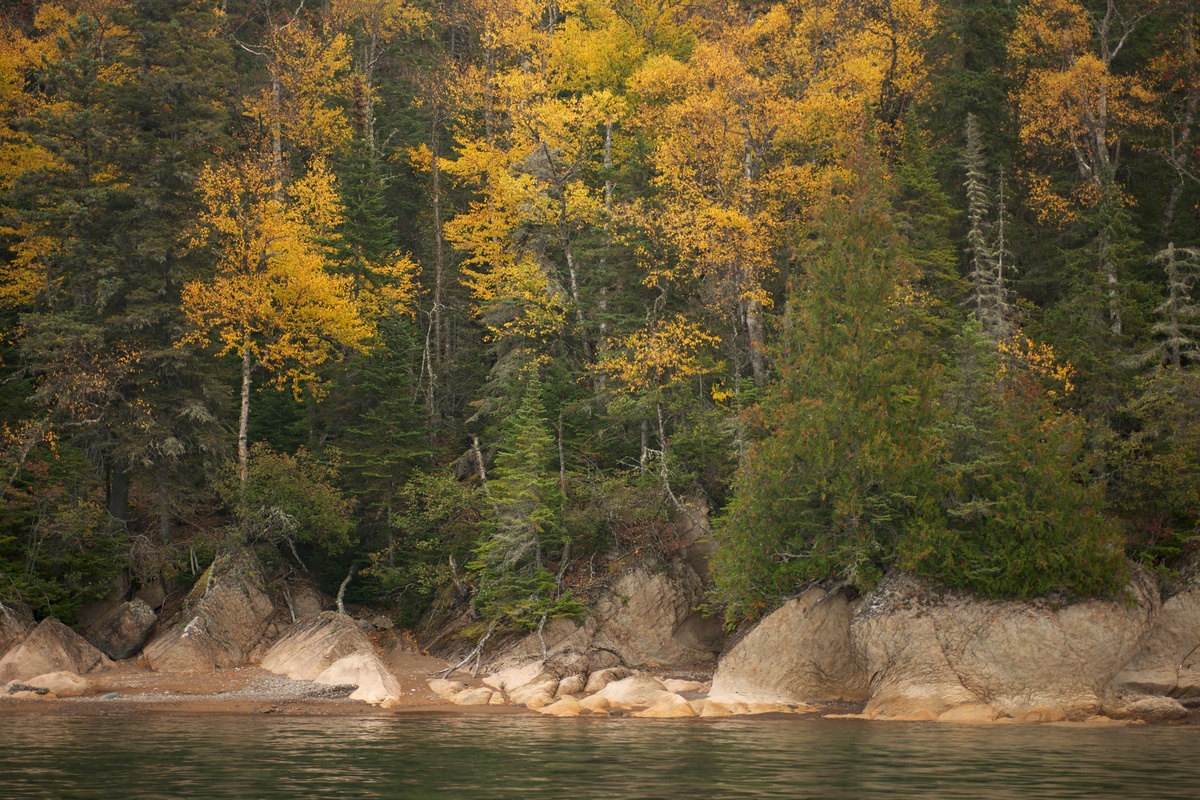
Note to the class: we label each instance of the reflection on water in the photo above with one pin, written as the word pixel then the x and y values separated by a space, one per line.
pixel 527 757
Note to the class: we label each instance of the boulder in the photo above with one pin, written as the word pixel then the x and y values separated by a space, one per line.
pixel 601 678
pixel 306 600
pixel 646 618
pixel 152 593
pixel 61 684
pixel 572 684
pixel 123 630
pixel 224 618
pixel 363 669
pixel 1167 661
pixel 330 649
pixel 118 593
pixel 447 690
pixel 667 706
pixel 14 626
pixel 1149 709
pixel 800 652
pixel 51 647
pixel 565 707
pixel 638 690
pixel 474 696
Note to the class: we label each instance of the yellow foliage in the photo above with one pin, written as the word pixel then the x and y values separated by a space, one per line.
pixel 666 353
pixel 1019 353
pixel 271 295
pixel 309 73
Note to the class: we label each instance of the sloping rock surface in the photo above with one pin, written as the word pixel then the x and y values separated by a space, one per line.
pixel 51 647
pixel 123 630
pixel 647 618
pixel 801 652
pixel 330 648
pixel 1167 661
pixel 14 626
pixel 226 615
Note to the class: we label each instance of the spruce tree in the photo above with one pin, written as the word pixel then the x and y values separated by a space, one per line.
pixel 522 531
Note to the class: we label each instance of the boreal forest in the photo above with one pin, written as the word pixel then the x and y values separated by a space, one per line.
pixel 480 298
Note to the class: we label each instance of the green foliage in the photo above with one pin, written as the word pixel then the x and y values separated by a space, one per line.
pixel 289 499
pixel 847 457
pixel 433 527
pixel 1156 468
pixel 522 528
pixel 1020 519
pixel 58 546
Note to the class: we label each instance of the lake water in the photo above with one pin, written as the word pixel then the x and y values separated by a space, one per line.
pixel 434 756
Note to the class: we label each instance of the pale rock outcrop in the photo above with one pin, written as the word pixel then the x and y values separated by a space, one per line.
pixel 637 690
pixel 331 649
pixel 969 713
pixel 60 684
pixel 506 680
pixel 15 624
pixel 667 705
pixel 646 618
pixel 224 618
pixel 572 684
pixel 1149 709
pixel 1021 656
pixel 928 651
pixel 123 630
pixel 1167 661
pixel 680 686
pixel 51 647
pixel 564 707
pixel 600 678
pixel 800 652
pixel 447 690
pixel 473 696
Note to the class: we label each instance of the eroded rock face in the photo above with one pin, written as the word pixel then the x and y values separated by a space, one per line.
pixel 224 618
pixel 331 649
pixel 928 651
pixel 646 619
pixel 14 626
pixel 123 630
pixel 51 647
pixel 798 653
pixel 1167 661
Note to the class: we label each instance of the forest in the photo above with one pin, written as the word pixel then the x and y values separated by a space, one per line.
pixel 476 298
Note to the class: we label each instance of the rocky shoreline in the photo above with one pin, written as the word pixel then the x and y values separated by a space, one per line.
pixel 239 642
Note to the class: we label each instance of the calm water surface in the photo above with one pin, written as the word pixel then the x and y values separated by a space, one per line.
pixel 214 756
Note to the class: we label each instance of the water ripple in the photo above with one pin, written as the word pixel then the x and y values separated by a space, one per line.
pixel 531 758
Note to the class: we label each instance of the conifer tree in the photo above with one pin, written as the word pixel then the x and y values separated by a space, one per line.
pixel 847 458
pixel 986 244
pixel 522 530
pixel 1179 314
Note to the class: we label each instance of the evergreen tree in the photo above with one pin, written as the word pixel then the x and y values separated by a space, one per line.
pixel 522 530
pixel 846 458
pixel 1179 314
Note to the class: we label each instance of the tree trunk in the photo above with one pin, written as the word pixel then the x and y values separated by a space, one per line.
pixel 118 494
pixel 758 344
pixel 244 417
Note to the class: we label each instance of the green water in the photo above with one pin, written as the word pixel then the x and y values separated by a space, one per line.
pixel 528 757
